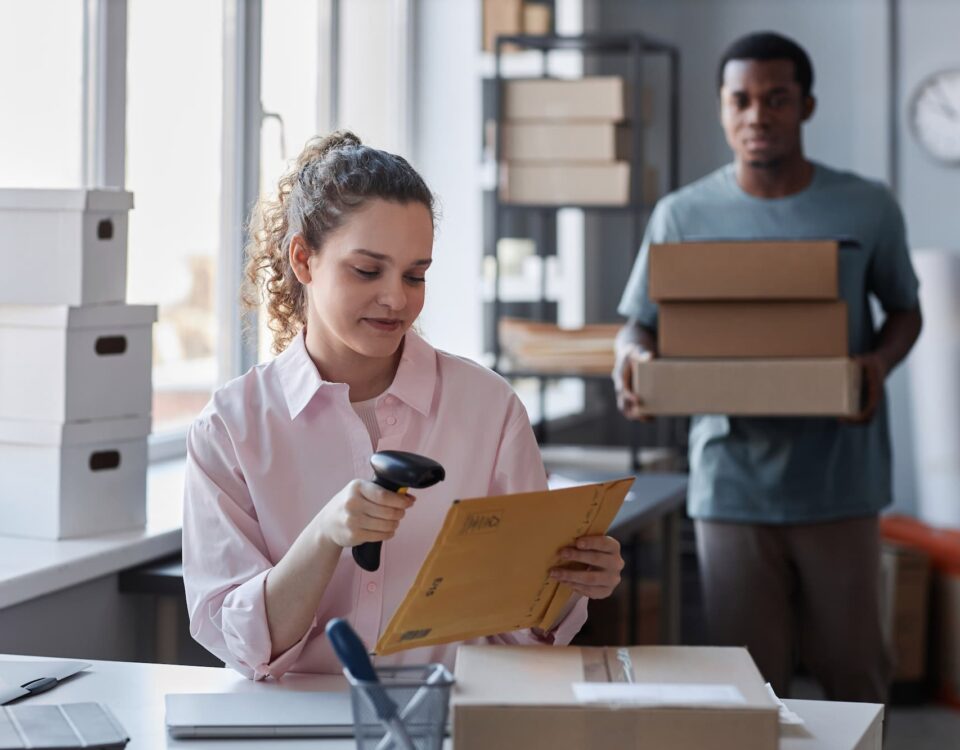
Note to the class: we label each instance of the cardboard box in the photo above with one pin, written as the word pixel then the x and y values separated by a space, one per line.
pixel 906 578
pixel 588 98
pixel 565 184
pixel 81 238
pixel 787 270
pixel 77 479
pixel 752 329
pixel 749 387
pixel 524 697
pixel 64 364
pixel 948 627
pixel 566 141
pixel 501 17
pixel 536 18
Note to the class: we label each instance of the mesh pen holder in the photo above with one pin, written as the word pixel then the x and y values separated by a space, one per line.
pixel 421 697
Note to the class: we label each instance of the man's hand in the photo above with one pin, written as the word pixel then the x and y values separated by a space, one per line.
pixel 601 565
pixel 628 401
pixel 874 374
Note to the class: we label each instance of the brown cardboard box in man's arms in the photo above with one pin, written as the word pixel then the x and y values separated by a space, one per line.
pixel 745 270
pixel 749 387
pixel 656 697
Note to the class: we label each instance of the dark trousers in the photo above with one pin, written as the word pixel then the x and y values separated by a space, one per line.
pixel 805 591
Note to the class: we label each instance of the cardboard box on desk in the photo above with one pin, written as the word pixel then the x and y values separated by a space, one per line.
pixel 76 479
pixel 64 364
pixel 752 329
pixel 744 270
pixel 749 387
pixel 524 697
pixel 81 236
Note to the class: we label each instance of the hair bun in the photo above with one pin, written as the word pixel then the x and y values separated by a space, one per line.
pixel 317 148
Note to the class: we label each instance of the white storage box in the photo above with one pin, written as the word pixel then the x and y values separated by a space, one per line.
pixel 75 479
pixel 64 364
pixel 63 247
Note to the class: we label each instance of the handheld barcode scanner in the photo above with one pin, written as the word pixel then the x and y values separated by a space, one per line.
pixel 396 471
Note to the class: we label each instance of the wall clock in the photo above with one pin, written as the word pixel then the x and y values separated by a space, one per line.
pixel 935 115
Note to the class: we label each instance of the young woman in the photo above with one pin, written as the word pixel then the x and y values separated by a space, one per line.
pixel 277 488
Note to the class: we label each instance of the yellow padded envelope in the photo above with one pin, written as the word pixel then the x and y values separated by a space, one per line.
pixel 488 570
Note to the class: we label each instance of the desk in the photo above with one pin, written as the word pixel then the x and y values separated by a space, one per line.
pixel 135 693
pixel 654 498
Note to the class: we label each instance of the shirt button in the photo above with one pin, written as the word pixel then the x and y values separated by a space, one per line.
pixel 391 420
pixel 371 587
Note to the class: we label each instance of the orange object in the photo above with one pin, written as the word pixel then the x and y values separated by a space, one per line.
pixel 943 545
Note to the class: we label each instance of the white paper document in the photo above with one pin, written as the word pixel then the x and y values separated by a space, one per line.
pixel 656 694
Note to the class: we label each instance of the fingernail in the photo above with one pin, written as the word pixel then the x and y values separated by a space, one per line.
pixel 565 553
pixel 581 544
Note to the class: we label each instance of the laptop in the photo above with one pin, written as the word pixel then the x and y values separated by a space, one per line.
pixel 259 714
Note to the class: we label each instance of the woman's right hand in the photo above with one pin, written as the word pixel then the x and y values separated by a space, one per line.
pixel 362 512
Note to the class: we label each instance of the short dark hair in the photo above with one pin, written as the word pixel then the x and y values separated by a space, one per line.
pixel 767 45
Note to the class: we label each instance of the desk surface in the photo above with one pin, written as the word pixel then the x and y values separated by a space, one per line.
pixel 135 693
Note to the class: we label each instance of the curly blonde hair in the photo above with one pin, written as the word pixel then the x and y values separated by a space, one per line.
pixel 331 178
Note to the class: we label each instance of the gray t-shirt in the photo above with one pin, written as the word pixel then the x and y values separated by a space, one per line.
pixel 791 470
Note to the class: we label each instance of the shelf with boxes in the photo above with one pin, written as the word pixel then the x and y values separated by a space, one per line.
pixel 75 367
pixel 562 141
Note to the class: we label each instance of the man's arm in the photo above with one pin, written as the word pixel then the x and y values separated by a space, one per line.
pixel 900 331
pixel 634 341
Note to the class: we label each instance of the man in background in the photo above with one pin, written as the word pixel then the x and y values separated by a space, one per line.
pixel 786 509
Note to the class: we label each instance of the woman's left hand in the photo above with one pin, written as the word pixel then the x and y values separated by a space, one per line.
pixel 601 555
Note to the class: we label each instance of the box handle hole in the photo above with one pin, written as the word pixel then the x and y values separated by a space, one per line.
pixel 107 345
pixel 105 229
pixel 104 460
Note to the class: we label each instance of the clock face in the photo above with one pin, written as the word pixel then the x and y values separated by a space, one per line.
pixel 935 115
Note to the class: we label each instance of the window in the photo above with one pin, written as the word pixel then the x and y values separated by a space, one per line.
pixel 41 76
pixel 173 167
pixel 290 86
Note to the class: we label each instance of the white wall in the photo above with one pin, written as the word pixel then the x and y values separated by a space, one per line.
pixel 929 191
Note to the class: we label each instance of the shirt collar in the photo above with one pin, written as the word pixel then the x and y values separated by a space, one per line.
pixel 416 377
pixel 413 384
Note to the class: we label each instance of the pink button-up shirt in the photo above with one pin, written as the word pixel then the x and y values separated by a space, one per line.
pixel 275 445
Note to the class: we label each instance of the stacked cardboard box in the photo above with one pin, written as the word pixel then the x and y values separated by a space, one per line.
pixel 75 367
pixel 749 328
pixel 513 17
pixel 567 142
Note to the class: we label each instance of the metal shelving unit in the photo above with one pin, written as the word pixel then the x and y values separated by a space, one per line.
pixel 542 219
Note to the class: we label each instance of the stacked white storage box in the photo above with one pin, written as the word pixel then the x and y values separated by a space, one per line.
pixel 75 367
